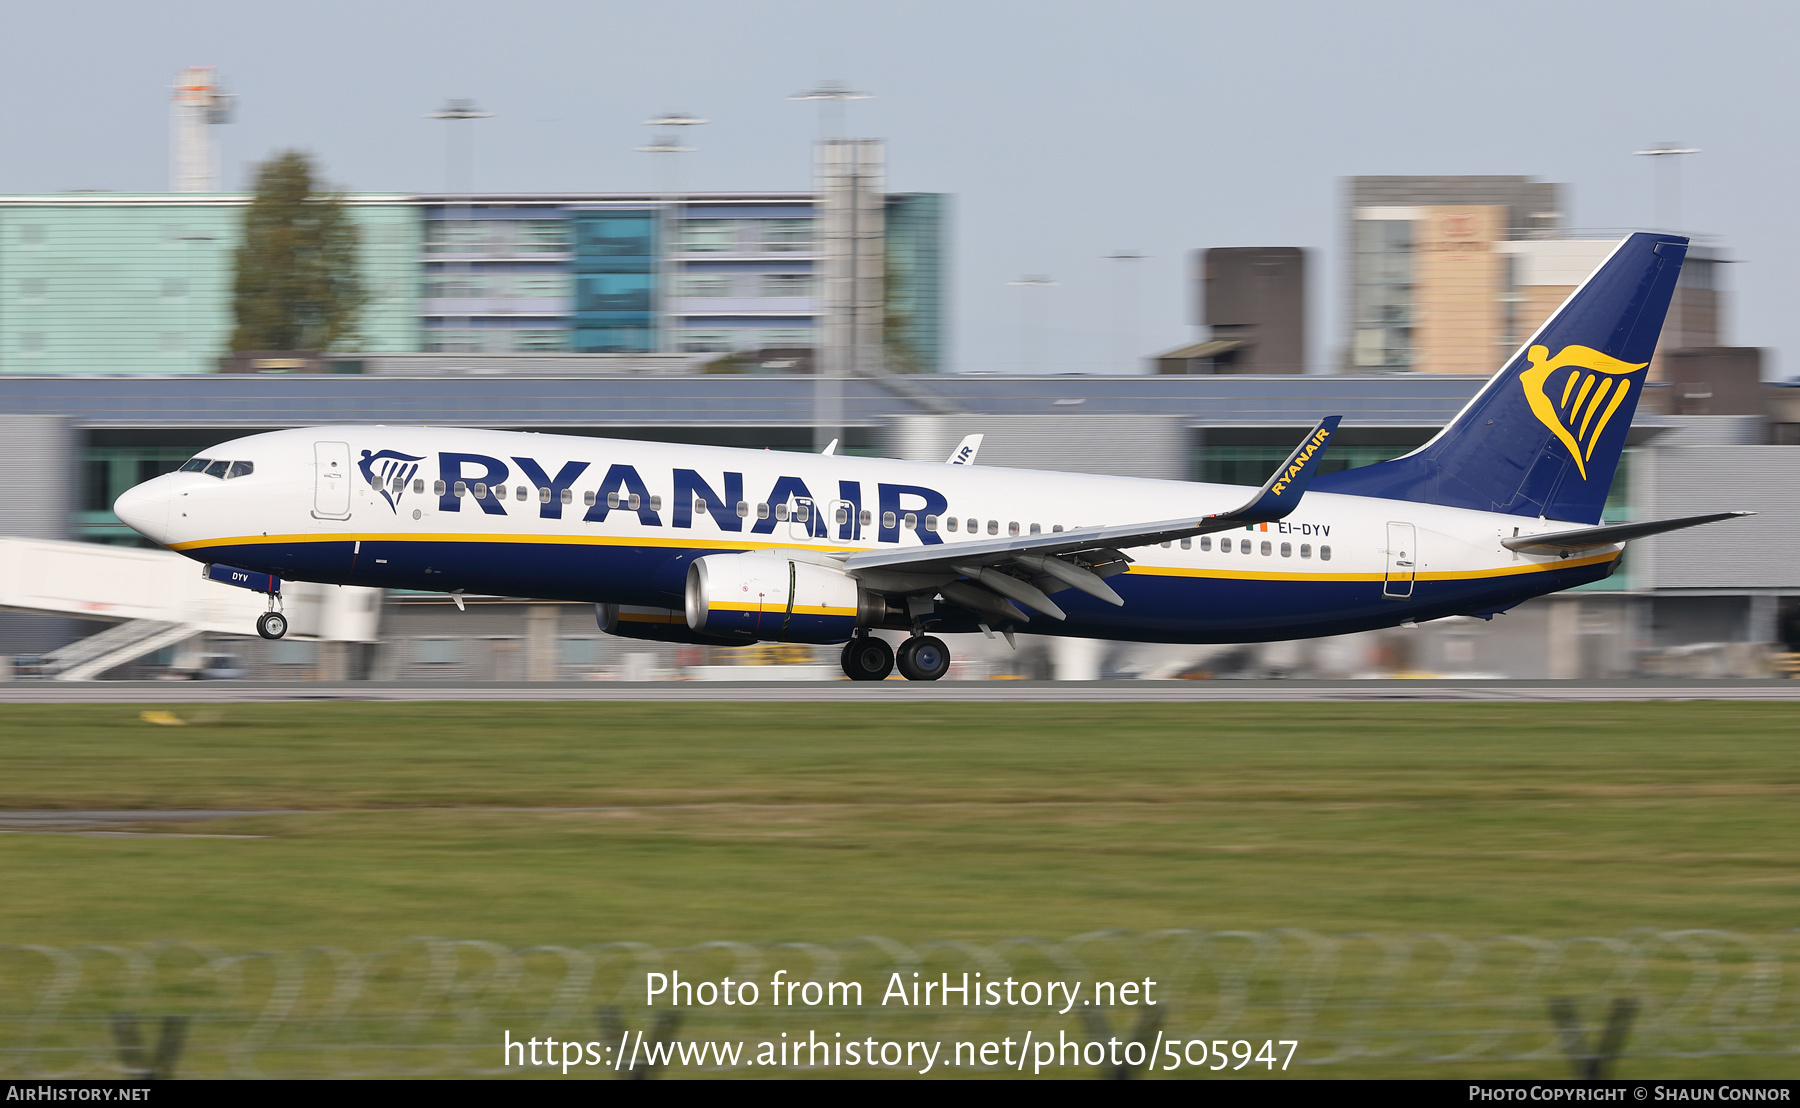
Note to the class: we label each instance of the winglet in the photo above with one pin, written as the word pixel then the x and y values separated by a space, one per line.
pixel 1282 492
pixel 964 454
pixel 830 448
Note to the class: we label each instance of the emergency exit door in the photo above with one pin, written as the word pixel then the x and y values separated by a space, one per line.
pixel 331 480
pixel 1402 560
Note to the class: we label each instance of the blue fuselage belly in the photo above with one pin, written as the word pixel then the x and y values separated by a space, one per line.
pixel 1158 607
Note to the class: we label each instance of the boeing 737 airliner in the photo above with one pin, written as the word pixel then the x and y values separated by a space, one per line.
pixel 710 545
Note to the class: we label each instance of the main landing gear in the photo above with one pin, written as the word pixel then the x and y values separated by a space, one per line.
pixel 921 658
pixel 924 658
pixel 867 658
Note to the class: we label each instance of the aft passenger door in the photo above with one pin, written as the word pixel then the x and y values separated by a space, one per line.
pixel 1402 560
pixel 331 480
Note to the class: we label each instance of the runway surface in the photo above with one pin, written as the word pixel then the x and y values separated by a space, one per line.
pixel 1023 692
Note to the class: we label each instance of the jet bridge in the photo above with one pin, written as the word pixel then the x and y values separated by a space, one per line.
pixel 157 599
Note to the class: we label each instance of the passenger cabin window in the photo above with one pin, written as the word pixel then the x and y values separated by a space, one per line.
pixel 1187 544
pixel 462 488
pixel 781 512
pixel 632 502
pixel 950 523
pixel 911 521
pixel 993 527
pixel 1324 553
pixel 888 521
pixel 217 469
pixel 656 503
pixel 1287 550
pixel 843 516
pixel 543 495
pixel 245 469
pixel 1057 530
pixel 1306 550
pixel 568 496
pixel 419 485
pixel 762 511
pixel 974 526
pixel 1013 527
pixel 867 517
pixel 1037 529
pixel 437 488
pixel 612 501
pixel 196 465
pixel 743 509
pixel 931 523
pixel 1206 542
pixel 588 498
pixel 1267 549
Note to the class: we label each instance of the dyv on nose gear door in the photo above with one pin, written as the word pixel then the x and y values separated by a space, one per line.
pixel 331 480
pixel 1402 560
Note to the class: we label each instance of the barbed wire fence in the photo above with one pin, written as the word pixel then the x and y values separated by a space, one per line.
pixel 1429 1004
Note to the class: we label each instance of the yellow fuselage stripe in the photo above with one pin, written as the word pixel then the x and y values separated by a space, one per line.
pixel 764 544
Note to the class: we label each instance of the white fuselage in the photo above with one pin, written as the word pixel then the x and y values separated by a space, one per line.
pixel 371 505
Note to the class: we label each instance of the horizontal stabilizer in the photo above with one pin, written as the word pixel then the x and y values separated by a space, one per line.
pixel 1587 538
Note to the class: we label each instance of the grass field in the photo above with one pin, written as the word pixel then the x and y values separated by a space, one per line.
pixel 579 824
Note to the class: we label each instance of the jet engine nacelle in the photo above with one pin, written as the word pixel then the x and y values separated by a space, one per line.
pixel 654 625
pixel 766 596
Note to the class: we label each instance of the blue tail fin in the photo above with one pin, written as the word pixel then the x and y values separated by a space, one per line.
pixel 1543 437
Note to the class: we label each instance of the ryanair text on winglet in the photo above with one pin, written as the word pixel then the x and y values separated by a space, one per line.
pixel 1313 446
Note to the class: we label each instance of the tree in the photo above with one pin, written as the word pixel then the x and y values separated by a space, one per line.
pixel 296 286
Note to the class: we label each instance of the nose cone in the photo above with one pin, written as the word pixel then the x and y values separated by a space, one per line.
pixel 145 509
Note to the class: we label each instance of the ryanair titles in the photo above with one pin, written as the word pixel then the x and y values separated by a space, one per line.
pixel 717 498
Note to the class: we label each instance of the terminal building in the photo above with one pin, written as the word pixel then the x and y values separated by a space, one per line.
pixel 107 283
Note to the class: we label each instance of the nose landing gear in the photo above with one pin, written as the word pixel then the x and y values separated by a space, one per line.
pixel 271 625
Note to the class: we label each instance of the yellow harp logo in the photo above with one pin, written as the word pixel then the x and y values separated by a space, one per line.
pixel 1575 394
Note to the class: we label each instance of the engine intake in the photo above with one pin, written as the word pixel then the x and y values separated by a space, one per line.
pixel 766 596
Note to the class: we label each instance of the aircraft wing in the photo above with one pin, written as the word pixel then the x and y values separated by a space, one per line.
pixel 1027 567
pixel 1587 538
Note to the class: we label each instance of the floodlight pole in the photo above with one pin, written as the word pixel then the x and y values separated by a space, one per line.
pixel 452 111
pixel 669 259
pixel 1667 153
pixel 831 96
pixel 832 361
pixel 1026 318
pixel 1672 218
pixel 1124 306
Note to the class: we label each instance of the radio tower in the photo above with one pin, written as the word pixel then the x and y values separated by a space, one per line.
pixel 198 103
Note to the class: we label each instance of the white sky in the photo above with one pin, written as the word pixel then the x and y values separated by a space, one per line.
pixel 1065 131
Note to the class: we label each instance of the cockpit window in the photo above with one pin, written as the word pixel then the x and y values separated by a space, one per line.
pixel 240 469
pixel 196 465
pixel 217 469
